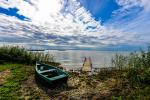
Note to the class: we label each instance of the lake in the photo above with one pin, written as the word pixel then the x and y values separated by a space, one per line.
pixel 72 59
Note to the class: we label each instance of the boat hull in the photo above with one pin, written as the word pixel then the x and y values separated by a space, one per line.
pixel 57 80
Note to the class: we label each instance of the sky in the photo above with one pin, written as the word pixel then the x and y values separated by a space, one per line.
pixel 75 24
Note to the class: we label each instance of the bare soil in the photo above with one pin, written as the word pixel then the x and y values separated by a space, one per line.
pixel 31 90
pixel 3 76
pixel 78 88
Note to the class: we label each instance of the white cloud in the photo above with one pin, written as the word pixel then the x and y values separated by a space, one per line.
pixel 129 3
pixel 132 18
pixel 126 4
pixel 47 13
pixel 51 22
pixel 37 11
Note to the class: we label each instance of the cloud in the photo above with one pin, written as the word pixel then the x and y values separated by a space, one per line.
pixel 132 18
pixel 126 4
pixel 60 23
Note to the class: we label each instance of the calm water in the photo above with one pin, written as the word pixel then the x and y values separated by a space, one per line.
pixel 74 58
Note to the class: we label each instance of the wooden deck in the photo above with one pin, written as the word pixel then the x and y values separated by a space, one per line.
pixel 87 65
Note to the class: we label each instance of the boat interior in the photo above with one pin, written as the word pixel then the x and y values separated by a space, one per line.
pixel 48 71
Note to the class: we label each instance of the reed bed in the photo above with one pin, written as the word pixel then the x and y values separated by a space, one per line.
pixel 137 73
pixel 18 54
pixel 137 64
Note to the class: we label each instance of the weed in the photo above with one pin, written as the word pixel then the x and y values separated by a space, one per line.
pixel 21 55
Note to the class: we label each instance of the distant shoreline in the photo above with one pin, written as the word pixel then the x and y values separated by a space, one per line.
pixel 89 50
pixel 36 50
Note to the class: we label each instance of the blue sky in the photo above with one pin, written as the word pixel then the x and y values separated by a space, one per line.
pixel 100 9
pixel 75 24
pixel 12 12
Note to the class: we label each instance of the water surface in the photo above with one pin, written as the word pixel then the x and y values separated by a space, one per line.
pixel 74 58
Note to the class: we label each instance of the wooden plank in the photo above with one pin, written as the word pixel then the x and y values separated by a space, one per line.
pixel 50 70
pixel 87 65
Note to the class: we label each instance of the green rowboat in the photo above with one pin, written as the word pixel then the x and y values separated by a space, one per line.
pixel 50 74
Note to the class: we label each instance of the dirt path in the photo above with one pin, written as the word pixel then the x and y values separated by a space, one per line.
pixel 78 88
pixel 31 90
pixel 3 76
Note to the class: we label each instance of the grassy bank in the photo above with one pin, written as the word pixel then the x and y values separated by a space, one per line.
pixel 129 80
pixel 137 67
pixel 11 85
pixel 19 83
pixel 21 55
pixel 16 65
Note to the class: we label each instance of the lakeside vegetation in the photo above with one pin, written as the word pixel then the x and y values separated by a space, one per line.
pixel 21 55
pixel 16 65
pixel 129 80
pixel 136 67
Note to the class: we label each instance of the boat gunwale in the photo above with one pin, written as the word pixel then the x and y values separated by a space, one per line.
pixel 45 77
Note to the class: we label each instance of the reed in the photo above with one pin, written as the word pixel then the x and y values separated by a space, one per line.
pixel 137 65
pixel 21 55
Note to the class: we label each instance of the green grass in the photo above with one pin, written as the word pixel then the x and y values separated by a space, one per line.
pixel 21 55
pixel 137 66
pixel 10 90
pixel 19 61
pixel 5 66
pixel 131 75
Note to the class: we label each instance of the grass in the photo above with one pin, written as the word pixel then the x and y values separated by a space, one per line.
pixel 21 55
pixel 19 62
pixel 10 89
pixel 137 66
pixel 20 84
pixel 129 80
pixel 112 84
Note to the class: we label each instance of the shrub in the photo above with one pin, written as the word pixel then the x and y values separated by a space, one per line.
pixel 119 61
pixel 147 76
pixel 137 64
pixel 21 55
